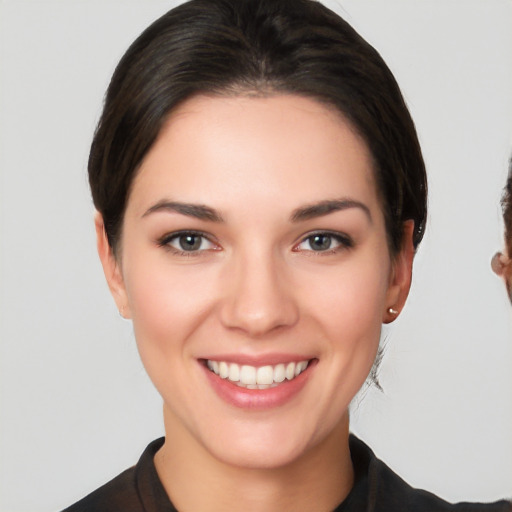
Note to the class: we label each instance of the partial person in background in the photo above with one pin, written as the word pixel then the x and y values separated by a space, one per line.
pixel 501 260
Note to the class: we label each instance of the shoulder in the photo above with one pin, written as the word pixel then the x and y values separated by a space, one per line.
pixel 135 490
pixel 386 491
pixel 118 494
pixel 397 495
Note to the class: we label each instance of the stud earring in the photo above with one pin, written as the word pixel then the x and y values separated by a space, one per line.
pixel 392 311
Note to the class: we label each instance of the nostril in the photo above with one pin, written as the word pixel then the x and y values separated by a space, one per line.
pixel 257 297
pixel 259 318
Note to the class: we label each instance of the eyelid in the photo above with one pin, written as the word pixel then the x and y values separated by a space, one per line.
pixel 165 240
pixel 344 241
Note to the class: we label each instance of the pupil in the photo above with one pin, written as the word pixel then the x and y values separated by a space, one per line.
pixel 321 242
pixel 190 242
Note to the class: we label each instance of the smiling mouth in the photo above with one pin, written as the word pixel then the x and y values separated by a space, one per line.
pixel 252 377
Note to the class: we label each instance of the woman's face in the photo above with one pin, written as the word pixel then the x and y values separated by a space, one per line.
pixel 254 248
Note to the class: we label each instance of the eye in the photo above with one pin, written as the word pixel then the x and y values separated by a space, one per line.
pixel 324 242
pixel 187 242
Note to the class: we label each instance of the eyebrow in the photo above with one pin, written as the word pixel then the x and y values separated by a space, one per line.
pixel 307 212
pixel 329 206
pixel 198 211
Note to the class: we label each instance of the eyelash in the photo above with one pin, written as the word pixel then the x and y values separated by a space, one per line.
pixel 166 240
pixel 344 243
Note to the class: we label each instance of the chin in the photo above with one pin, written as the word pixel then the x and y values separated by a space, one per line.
pixel 265 445
pixel 259 454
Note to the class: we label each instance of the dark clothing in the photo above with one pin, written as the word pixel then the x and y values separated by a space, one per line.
pixel 376 489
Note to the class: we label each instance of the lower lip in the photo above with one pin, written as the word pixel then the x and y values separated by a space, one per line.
pixel 258 399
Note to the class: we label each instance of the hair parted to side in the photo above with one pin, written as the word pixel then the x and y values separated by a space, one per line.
pixel 263 47
pixel 506 205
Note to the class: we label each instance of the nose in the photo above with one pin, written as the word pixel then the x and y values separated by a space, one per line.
pixel 258 296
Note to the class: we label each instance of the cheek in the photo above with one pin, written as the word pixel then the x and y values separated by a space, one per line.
pixel 351 298
pixel 167 304
pixel 348 314
pixel 344 309
pixel 168 307
pixel 353 318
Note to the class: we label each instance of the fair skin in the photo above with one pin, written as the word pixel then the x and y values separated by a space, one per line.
pixel 500 264
pixel 254 237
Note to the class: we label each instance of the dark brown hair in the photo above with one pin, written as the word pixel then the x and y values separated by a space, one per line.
pixel 230 47
pixel 506 205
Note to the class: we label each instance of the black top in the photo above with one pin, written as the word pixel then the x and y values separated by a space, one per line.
pixel 376 489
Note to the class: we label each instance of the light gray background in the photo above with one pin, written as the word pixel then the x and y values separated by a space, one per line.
pixel 76 406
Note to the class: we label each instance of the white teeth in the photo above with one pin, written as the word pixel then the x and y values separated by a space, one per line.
pixel 234 372
pixel 290 371
pixel 223 370
pixel 252 377
pixel 248 375
pixel 300 367
pixel 265 375
pixel 279 375
pixel 214 366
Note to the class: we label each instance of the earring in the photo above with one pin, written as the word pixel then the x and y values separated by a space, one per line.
pixel 392 311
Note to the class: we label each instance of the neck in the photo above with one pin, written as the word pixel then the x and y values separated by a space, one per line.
pixel 319 480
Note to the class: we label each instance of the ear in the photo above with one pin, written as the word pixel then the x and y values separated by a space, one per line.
pixel 501 264
pixel 401 275
pixel 111 267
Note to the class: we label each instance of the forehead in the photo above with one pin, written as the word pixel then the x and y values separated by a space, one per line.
pixel 284 148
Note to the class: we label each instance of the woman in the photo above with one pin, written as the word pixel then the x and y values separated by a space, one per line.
pixel 260 193
pixel 501 260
